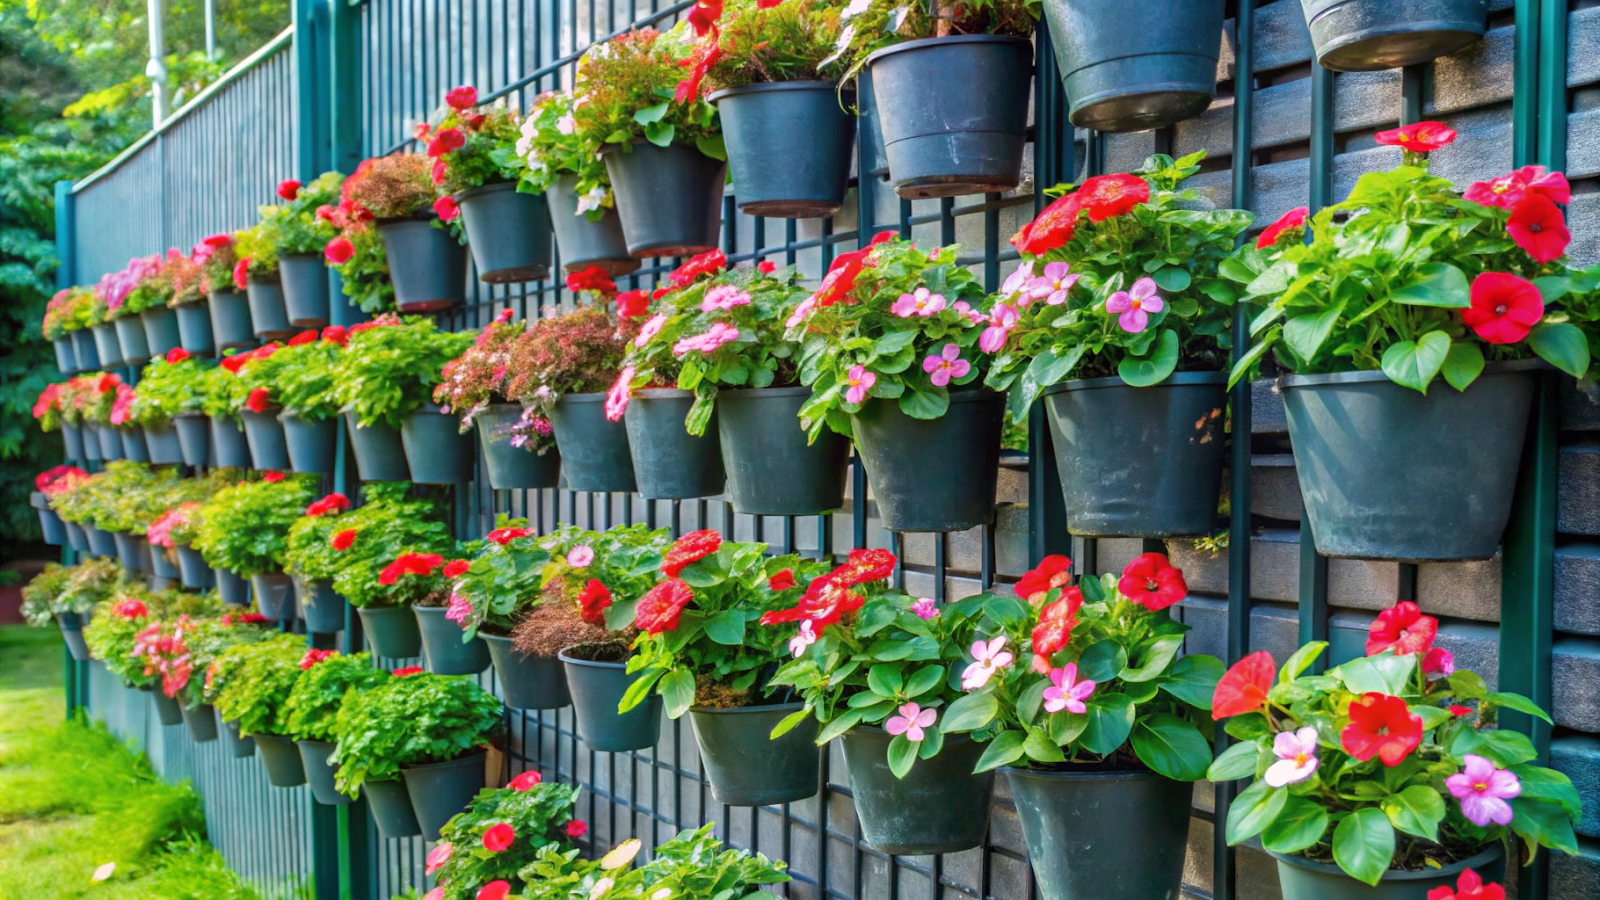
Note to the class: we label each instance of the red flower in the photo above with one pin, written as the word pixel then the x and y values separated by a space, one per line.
pixel 499 837
pixel 336 334
pixel 704 16
pixel 632 303
pixel 1505 191
pixel 423 564
pixel 176 355
pixel 405 671
pixel 312 657
pixel 1106 196
pixel 241 273
pixel 1402 628
pixel 251 618
pixel 304 337
pixel 592 279
pixel 456 568
pixel 692 547
pixel 1055 626
pixel 864 565
pixel 1243 688
pixel 1052 572
pixel 343 539
pixel 593 602
pixel 709 263
pixel 331 504
pixel 1421 137
pixel 446 208
pixel 767 266
pixel 1468 887
pixel 1052 228
pixel 1539 228
pixel 446 140
pixel 825 602
pixel 288 189
pixel 1293 222
pixel 258 401
pixel 662 606
pixel 526 781
pixel 1504 307
pixel 841 278
pixel 1383 726
pixel 1458 710
pixel 499 889
pixel 49 398
pixel 272 477
pixel 339 251
pixel 577 828
pixel 782 581
pixel 131 608
pixel 1152 582
pixel 463 97
pixel 504 536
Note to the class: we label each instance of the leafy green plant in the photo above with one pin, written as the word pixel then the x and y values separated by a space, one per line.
pixel 371 537
pixel 411 720
pixel 627 91
pixel 504 576
pixel 169 387
pixel 592 587
pixel 245 528
pixel 255 680
pixel 42 596
pixel 882 23
pixel 358 255
pixel 67 311
pixel 327 679
pixel 130 495
pixel 691 866
pixel 479 377
pixel 765 42
pixel 389 369
pixel 551 146
pixel 217 258
pixel 311 555
pixel 256 248
pixel 207 643
pixel 298 226
pixel 473 145
pixel 580 352
pixel 303 375
pixel 113 629
pixel 502 831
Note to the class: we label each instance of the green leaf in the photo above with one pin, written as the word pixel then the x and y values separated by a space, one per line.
pixel 1110 721
pixel 639 690
pixel 727 628
pixel 712 146
pixel 1153 663
pixel 1462 365
pixel 1301 661
pixel 1414 364
pixel 1306 334
pixel 652 113
pixel 1040 748
pixel 839 725
pixel 1539 783
pixel 1100 662
pixel 1173 279
pixel 660 133
pixel 1300 825
pixel 924 404
pixel 924 680
pixel 1154 369
pixel 1238 761
pixel 1235 269
pixel 1432 716
pixel 1435 284
pixel 1504 748
pixel 1193 680
pixel 677 692
pixel 1172 746
pixel 885 681
pixel 1363 845
pixel 902 754
pixel 1544 823
pixel 1386 674
pixel 1561 344
pixel 970 712
pixel 1254 809
pixel 1004 750
pixel 1417 811
pixel 788 723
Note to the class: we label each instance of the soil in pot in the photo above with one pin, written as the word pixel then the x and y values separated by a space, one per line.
pixel 231 326
pixel 939 807
pixel 84 352
pixel 597 687
pixel 66 360
pixel 161 330
pixel 229 446
pixel 285 768
pixel 391 808
pixel 234 589
pixel 194 438
pixel 239 746
pixel 1371 35
pixel 971 140
pixel 195 333
pixel 670 198
pixel 527 682
pixel 193 571
pixel 106 345
pixel 950 490
pixel 594 450
pixel 427 265
pixel 264 433
pixel 305 289
pixel 583 243
pixel 72 633
pixel 437 452
pixel 319 774
pixel 72 440
pixel 162 441
pixel 508 232
pixel 320 606
pixel 168 710
pixel 131 337
pixel 1302 879
pixel 274 595
pixel 508 467
pixel 268 314
pixel 772 471
pixel 441 790
pixel 392 631
pixel 443 650
pixel 201 721
pixel 746 766
pixel 379 453
pixel 312 445
pixel 789 147
pixel 668 462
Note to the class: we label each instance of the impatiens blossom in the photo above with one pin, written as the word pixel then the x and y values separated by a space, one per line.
pixel 498 837
pixel 782 581
pixel 910 722
pixel 989 657
pixel 662 606
pixel 1507 190
pixel 858 382
pixel 925 608
pixel 460 608
pixel 1243 688
pixel 1019 280
pixel 718 334
pixel 419 564
pixel 1539 228
pixel 1419 137
pixel 258 401
pixel 1056 622
pixel 1052 228
pixel 407 671
pixel 804 638
pixel 527 781
pixel 288 189
pixel 1053 286
pixel 621 392
pixel 580 556
pixel 690 549
pixel 1469 887
pixel 1297 757
pixel 446 208
pixel 312 657
pixel 333 504
pixel 593 602
pixel 1134 306
pixel 1504 308
pixel 1483 791
pixel 1381 725
pixel 1052 572
pixel 339 250
pixel 461 98
pixel 577 828
pixel 1152 582
pixel 456 568
pixel 1292 222
pixel 437 857
pixel 504 536
pixel 921 302
pixel 1106 196
pixel 499 889
pixel 343 539
pixel 946 365
pixel 1403 629
pixel 1001 321
pixel 724 296
pixel 1438 663
pixel 1066 692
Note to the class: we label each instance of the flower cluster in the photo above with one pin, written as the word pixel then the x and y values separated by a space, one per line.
pixel 472 145
pixel 71 309
pixel 622 83
pixel 552 148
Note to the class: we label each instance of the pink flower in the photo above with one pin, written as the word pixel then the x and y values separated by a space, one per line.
pixel 1483 791
pixel 1297 757
pixel 650 329
pixel 921 302
pixel 526 781
pixel 1001 321
pixel 1053 286
pixel 805 638
pixel 1134 307
pixel 438 857
pixel 910 722
pixel 1066 691
pixel 802 310
pixel 577 828
pixel 964 308
pixel 925 609
pixel 720 333
pixel 724 296
pixel 460 608
pixel 435 894
pixel 859 381
pixel 947 365
pixel 621 392
pixel 580 556
pixel 463 97
pixel 446 208
pixel 990 658
pixel 1438 663
pixel 1018 281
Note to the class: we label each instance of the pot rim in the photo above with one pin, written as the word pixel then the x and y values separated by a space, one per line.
pixel 191 415
pixel 203 300
pixel 1488 855
pixel 477 753
pixel 271 278
pixel 591 663
pixel 793 391
pixel 747 710
pixel 284 415
pixel 158 310
pixel 299 256
pixel 274 577
pixel 329 744
pixel 1103 775
pixel 662 394
pixel 421 216
pixel 878 731
pixel 37 497
pixel 585 397
pixel 964 395
pixel 1290 380
pixel 428 407
pixel 271 413
pixel 1112 381
pixel 922 43
pixel 493 187
pixel 429 609
pixel 225 292
pixel 773 87
pixel 383 609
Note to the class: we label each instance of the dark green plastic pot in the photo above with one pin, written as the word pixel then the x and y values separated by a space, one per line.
pixel 441 790
pixel 55 531
pixel 231 327
pixel 268 313
pixel 72 633
pixel 427 265
pixel 789 146
pixel 284 767
pixel 669 198
pixel 508 467
pixel 392 631
pixel 134 448
pixel 66 360
pixel 91 442
pixel 194 328
pixel 1388 473
pixel 162 441
pixel 772 471
pixel 933 475
pixel 319 774
pixel 168 710
pixel 161 566
pixel 939 807
pixel 133 551
pixel 312 445
pixel 234 589
pixel 969 140
pixel 527 682
pixel 264 433
pixel 390 803
pixel 84 351
pixel 1077 826
pixel 597 689
pixel 1302 879
pixel 161 330
pixel 107 346
pixel 320 605
pixel 508 232
pixel 201 721
pixel 193 571
pixel 131 336
pixel 1136 65
pixel 110 441
pixel 72 440
pixel 1371 35
pixel 229 446
pixel 379 454
pixel 77 539
pixel 101 543
pixel 437 452
pixel 274 595
pixel 239 746
pixel 443 650
pixel 583 243
pixel 746 766
pixel 305 289
pixel 1140 461
pixel 668 462
pixel 594 450
pixel 194 437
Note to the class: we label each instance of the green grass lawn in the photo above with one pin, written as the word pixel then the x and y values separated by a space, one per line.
pixel 73 798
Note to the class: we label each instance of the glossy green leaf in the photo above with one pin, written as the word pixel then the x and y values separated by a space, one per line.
pixel 1462 365
pixel 1110 721
pixel 1161 362
pixel 1172 746
pixel 1238 761
pixel 1414 364
pixel 1004 750
pixel 1300 825
pixel 1193 680
pixel 1363 844
pixel 1561 344
pixel 1254 809
pixel 902 755
pixel 1417 811
pixel 1040 748
pixel 969 712
pixel 1435 284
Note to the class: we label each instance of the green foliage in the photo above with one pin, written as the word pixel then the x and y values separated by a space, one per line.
pixel 245 528
pixel 303 379
pixel 387 525
pixel 411 721
pixel 389 370
pixel 505 580
pixel 537 817
pixel 691 866
pixel 885 23
pixel 488 152
pixel 365 275
pixel 208 641
pixel 70 589
pixel 111 633
pixel 167 390
pixel 626 90
pixel 551 147
pixel 40 595
pixel 254 680
pixel 294 227
pixel 314 702
pixel 787 42
pixel 310 555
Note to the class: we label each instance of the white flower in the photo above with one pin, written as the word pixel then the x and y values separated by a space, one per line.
pixel 594 199
pixel 856 8
pixel 567 125
pixel 104 872
pixel 600 888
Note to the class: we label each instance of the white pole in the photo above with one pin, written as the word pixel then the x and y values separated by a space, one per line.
pixel 211 30
pixel 156 69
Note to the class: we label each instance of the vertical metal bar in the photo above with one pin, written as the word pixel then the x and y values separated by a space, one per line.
pixel 1526 99
pixel 1053 161
pixel 1313 577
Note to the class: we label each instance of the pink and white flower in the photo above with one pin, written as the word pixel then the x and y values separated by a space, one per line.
pixel 921 302
pixel 805 638
pixel 724 296
pixel 925 609
pixel 460 608
pixel 1133 307
pixel 801 310
pixel 1018 281
pixel 858 382
pixel 580 556
pixel 964 308
pixel 720 333
pixel 1483 791
pixel 991 657
pixel 1053 286
pixel 621 393
pixel 437 857
pixel 910 722
pixel 1297 757
pixel 1066 692
pixel 649 330
pixel 946 365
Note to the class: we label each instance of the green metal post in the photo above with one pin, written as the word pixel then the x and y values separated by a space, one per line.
pixel 343 105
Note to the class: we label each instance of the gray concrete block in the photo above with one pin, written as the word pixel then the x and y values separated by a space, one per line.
pixel 1477 75
pixel 1584 214
pixel 1577 589
pixel 1462 590
pixel 1578 497
pixel 1272 628
pixel 1274 489
pixel 1578 757
pixel 1576 877
pixel 1583 48
pixel 1266 407
pixel 1275 572
pixel 1580 400
pixel 1256 873
pixel 1011 540
pixel 1282 38
pixel 1575 683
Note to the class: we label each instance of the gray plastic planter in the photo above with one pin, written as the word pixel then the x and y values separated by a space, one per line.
pixel 194 329
pixel 134 449
pixel 55 531
pixel 771 469
pixel 133 552
pixel 441 790
pixel 229 446
pixel 284 766
pixel 161 566
pixel 508 232
pixel 1302 879
pixel 670 198
pixel 594 449
pixel 312 445
pixel 161 330
pixel 131 337
pixel 107 345
pixel 274 595
pixel 194 437
pixel 508 467
pixel 1371 35
pixel 427 265
pixel 437 452
pixel 168 711
pixel 202 723
pixel 527 682
pixel 264 433
pixel 444 651
pixel 101 543
pixel 379 453
pixel 193 570
pixel 77 539
pixel 321 606
pixel 238 746
pixel 231 326
pixel 939 807
pixel 583 243
pixel 390 803
pixel 234 589
pixel 84 351
pixel 91 442
pixel 162 442
pixel 597 688
pixel 392 631
pixel 268 313
pixel 746 766
pixel 72 633
pixel 72 441
pixel 789 146
pixel 305 289
pixel 319 773
pixel 668 462
pixel 109 440
pixel 933 475
pixel 66 360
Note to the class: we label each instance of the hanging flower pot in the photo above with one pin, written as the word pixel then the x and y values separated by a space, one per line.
pixel 268 314
pixel 76 538
pixel 168 710
pixel 320 606
pixel 1381 466
pixel 390 803
pixel 274 595
pixel 1371 35
pixel 229 446
pixel 101 543
pixel 161 330
pixel 583 243
pixel 970 140
pixel 939 807
pixel 772 471
pixel 1302 879
pixel 319 774
pixel 669 462
pixel 55 531
pixel 238 746
pixel 133 551
pixel 426 264
pixel 670 198
pixel 72 438
pixel 194 437
pixel 441 790
pixel 933 474
pixel 1091 812
pixel 109 440
pixel 392 631
pixel 597 689
pixel 379 453
pixel 284 766
pixel 437 452
pixel 134 449
pixel 264 433
pixel 1140 461
pixel 746 766
pixel 594 450
pixel 527 682
pixel 107 346
pixel 789 146
pixel 164 446
pixel 510 467
pixel 194 328
pixel 305 289
pixel 72 633
pixel 91 442
pixel 508 231
pixel 161 566
pixel 234 589
pixel 231 326
pixel 444 650
pixel 131 338
pixel 66 360
pixel 201 720
pixel 85 352
pixel 312 445
pixel 195 574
